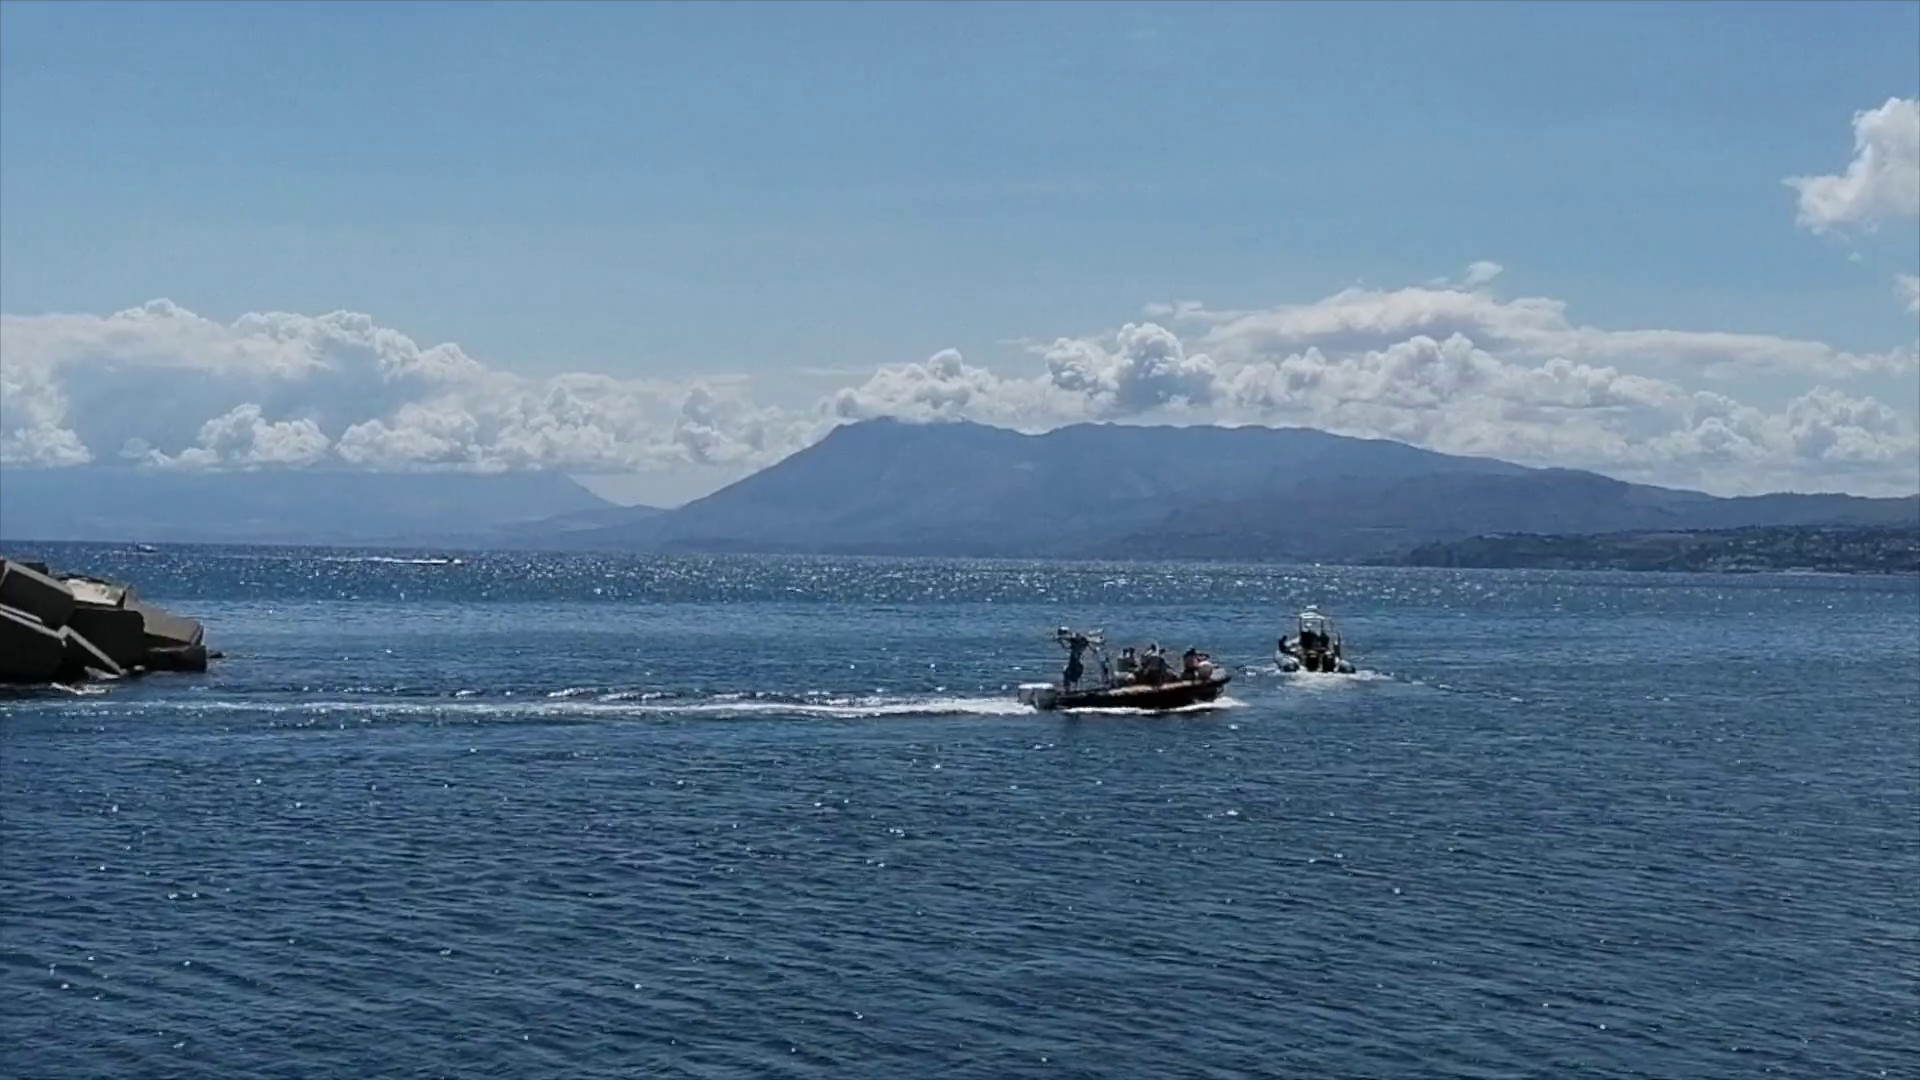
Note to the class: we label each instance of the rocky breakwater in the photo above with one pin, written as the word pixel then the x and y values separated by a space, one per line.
pixel 62 628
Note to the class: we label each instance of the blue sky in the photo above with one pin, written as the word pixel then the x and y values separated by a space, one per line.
pixel 800 192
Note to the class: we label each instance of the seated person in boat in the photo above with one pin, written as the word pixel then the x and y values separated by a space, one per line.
pixel 1128 665
pixel 1190 663
pixel 1153 666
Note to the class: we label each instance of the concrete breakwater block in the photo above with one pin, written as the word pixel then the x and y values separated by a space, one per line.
pixel 29 651
pixel 91 590
pixel 165 629
pixel 74 626
pixel 116 631
pixel 81 659
pixel 28 590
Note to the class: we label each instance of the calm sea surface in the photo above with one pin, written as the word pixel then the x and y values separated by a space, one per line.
pixel 567 816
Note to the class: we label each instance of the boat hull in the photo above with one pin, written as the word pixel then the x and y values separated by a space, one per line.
pixel 1289 663
pixel 1165 697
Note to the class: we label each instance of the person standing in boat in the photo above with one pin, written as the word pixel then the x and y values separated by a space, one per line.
pixel 1076 645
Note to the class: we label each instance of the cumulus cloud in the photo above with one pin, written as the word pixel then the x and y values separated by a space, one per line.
pixel 1457 371
pixel 33 409
pixel 1453 396
pixel 1881 182
pixel 1142 368
pixel 241 436
pixel 1145 367
pixel 1907 287
pixel 944 387
pixel 1446 394
pixel 1532 327
pixel 1452 369
pixel 168 387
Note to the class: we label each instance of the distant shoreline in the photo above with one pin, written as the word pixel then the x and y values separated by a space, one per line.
pixel 1826 550
pixel 1823 551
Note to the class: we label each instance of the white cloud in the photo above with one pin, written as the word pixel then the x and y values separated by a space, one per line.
pixel 169 387
pixel 1827 425
pixel 944 387
pixel 1453 396
pixel 1146 367
pixel 33 410
pixel 1139 369
pixel 1478 275
pixel 1449 394
pixel 1481 273
pixel 1907 287
pixel 1447 368
pixel 241 437
pixel 1531 327
pixel 1881 182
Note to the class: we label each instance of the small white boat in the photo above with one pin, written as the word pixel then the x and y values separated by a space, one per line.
pixel 1315 646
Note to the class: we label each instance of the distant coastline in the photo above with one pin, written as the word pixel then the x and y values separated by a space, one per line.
pixel 1762 549
pixel 1862 550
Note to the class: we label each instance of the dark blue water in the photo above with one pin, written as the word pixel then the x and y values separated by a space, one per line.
pixel 605 817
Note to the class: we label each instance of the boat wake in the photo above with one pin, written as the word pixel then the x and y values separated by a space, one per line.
pixel 578 705
pixel 1326 679
pixel 51 690
pixel 395 560
pixel 588 704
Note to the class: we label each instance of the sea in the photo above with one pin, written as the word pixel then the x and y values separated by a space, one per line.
pixel 594 816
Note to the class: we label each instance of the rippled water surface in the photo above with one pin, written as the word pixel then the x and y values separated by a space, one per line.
pixel 564 816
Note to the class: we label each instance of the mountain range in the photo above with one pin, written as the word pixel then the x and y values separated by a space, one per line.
pixel 888 487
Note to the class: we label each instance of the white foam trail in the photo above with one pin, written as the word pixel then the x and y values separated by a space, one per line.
pixel 82 690
pixel 1332 680
pixel 638 695
pixel 392 560
pixel 576 708
pixel 1303 675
